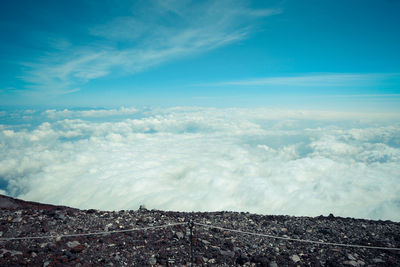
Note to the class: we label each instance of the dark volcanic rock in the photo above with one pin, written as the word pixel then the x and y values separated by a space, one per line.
pixel 170 246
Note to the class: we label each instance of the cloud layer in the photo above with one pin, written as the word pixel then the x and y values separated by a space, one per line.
pixel 204 159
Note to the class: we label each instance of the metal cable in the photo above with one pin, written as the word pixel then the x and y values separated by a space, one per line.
pixel 94 233
pixel 204 225
pixel 296 239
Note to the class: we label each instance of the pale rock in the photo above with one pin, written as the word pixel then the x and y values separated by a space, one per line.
pixel 72 244
pixel 351 257
pixel 377 260
pixel 179 235
pixel 152 260
pixel 351 263
pixel 295 258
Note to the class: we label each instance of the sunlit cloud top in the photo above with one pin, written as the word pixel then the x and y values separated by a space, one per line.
pixel 205 159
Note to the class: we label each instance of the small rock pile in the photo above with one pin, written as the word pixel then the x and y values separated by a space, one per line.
pixel 171 246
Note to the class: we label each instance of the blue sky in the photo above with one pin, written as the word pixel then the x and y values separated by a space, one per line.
pixel 292 54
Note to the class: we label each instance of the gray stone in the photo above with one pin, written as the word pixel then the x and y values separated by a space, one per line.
pixel 205 242
pixel 72 244
pixel 17 220
pixel 227 253
pixel 351 257
pixel 351 263
pixel 153 260
pixel 377 260
pixel 273 264
pixel 12 252
pixel 108 226
pixel 179 235
pixel 295 258
pixel 62 217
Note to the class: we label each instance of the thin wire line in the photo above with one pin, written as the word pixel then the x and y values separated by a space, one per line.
pixel 93 233
pixel 200 224
pixel 296 239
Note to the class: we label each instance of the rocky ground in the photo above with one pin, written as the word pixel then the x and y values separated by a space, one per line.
pixel 170 246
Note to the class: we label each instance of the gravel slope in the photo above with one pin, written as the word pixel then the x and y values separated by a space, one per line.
pixel 171 245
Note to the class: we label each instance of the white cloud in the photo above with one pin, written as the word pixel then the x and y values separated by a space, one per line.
pixel 155 32
pixel 255 160
pixel 66 113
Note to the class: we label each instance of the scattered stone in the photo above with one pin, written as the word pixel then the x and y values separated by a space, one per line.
pixel 17 220
pixel 242 259
pixel 351 257
pixel 168 246
pixel 11 252
pixel 62 217
pixel 153 260
pixel 378 260
pixel 212 261
pixel 108 226
pixel 77 249
pixel 179 235
pixel 295 258
pixel 72 244
pixel 260 260
pixel 351 263
pixel 227 253
pixel 205 242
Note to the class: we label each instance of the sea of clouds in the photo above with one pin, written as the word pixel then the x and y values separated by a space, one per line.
pixel 204 159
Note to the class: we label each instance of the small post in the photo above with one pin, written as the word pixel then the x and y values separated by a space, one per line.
pixel 191 224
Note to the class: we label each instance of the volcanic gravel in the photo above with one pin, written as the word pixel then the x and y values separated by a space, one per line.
pixel 171 246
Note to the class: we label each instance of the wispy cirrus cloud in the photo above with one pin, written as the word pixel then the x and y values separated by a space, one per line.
pixel 312 80
pixel 154 33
